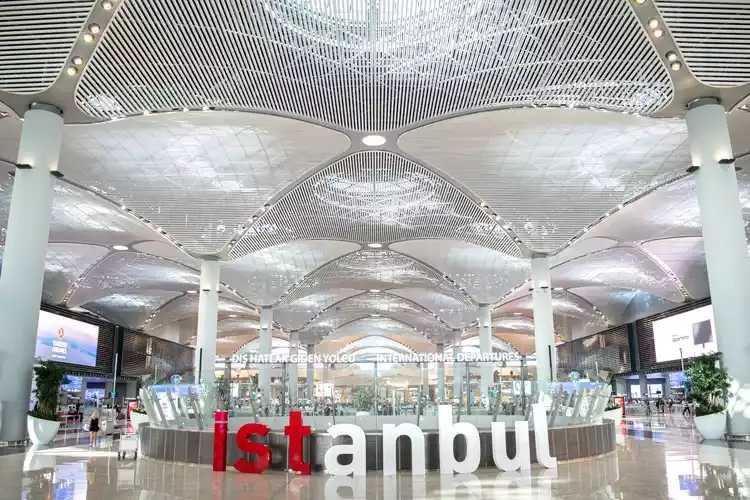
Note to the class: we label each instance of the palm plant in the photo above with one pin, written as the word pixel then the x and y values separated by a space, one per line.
pixel 49 378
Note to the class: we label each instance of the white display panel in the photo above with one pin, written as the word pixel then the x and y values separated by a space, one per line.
pixel 694 332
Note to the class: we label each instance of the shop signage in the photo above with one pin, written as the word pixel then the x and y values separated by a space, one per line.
pixel 447 431
pixel 380 358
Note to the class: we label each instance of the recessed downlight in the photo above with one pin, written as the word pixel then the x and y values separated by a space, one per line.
pixel 676 66
pixel 374 290
pixel 373 140
pixel 232 315
pixel 375 245
pixel 653 23
pixel 671 56
pixel 192 292
pixel 658 33
pixel 119 248
pixel 72 70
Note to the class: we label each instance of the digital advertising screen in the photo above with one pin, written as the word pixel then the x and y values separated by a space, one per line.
pixel 66 340
pixel 694 332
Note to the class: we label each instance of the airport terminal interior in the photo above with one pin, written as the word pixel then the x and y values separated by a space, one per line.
pixel 374 249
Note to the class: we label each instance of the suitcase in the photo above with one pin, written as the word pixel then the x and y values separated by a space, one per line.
pixel 127 444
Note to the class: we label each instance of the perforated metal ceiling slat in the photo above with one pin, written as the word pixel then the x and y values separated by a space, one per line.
pixel 130 309
pixel 551 173
pixel 295 314
pixel 713 36
pixel 376 65
pixel 36 37
pixel 378 197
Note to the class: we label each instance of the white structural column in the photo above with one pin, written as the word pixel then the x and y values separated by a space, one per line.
pixel 486 368
pixel 24 263
pixel 310 372
pixel 458 372
pixel 726 248
pixel 441 372
pixel 266 343
pixel 544 329
pixel 293 367
pixel 208 316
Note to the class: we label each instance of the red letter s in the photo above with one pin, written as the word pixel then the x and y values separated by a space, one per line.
pixel 262 451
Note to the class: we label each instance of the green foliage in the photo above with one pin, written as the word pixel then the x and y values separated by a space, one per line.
pixel 222 394
pixel 707 384
pixel 363 400
pixel 49 377
pixel 139 411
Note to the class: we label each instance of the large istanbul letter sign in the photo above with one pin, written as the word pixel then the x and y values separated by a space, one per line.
pixel 447 432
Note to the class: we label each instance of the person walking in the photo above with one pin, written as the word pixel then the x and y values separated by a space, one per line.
pixel 686 409
pixel 93 428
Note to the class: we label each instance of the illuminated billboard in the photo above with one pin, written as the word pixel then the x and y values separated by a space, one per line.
pixel 66 340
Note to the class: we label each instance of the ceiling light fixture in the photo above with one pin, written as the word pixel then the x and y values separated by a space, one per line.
pixel 78 60
pixel 72 70
pixel 374 245
pixel 106 5
pixel 658 33
pixel 232 315
pixel 373 140
pixel 119 248
pixel 653 23
pixel 94 28
pixel 640 2
pixel 88 37
pixel 677 66
pixel 192 292
pixel 671 56
pixel 374 290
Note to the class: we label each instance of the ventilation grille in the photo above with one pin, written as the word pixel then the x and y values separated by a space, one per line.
pixel 645 333
pixel 375 65
pixel 379 197
pixel 713 36
pixel 159 359
pixel 36 37
pixel 608 350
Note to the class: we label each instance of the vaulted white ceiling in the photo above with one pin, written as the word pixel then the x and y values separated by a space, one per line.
pixel 504 128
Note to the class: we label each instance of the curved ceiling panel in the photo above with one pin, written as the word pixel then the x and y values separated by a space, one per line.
pixel 375 305
pixel 123 272
pixel 620 267
pixel 581 248
pixel 384 327
pixel 424 59
pixel 574 165
pixel 64 263
pixel 36 37
pixel 198 176
pixel 264 276
pixel 375 197
pixel 563 304
pixel 130 309
pixel 186 307
pixel 713 37
pixel 375 270
pixel 167 251
pixel 375 342
pixel 686 259
pixel 517 322
pixel 294 315
pixel 231 326
pixel 485 274
pixel 455 313
pixel 612 302
pixel 521 342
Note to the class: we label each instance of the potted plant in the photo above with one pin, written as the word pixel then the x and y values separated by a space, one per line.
pixel 43 422
pixel 138 417
pixel 363 401
pixel 707 383
pixel 613 411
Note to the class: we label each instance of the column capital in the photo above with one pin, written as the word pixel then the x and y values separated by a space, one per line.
pixel 43 106
pixel 702 101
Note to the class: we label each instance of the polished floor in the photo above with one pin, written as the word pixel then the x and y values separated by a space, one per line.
pixel 657 458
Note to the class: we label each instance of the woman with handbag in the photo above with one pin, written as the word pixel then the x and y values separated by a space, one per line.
pixel 93 428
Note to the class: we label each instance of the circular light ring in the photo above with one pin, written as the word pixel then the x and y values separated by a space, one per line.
pixel 373 140
pixel 120 248
pixel 94 28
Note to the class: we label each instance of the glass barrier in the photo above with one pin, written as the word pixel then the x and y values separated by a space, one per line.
pixel 371 393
